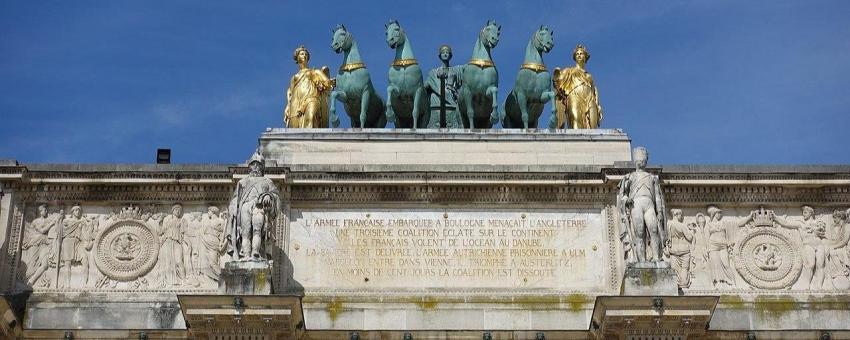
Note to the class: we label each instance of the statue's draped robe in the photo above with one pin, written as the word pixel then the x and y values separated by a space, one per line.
pixel 241 208
pixel 680 251
pixel 38 244
pixel 718 251
pixel 453 82
pixel 838 262
pixel 575 90
pixel 171 253
pixel 699 257
pixel 74 234
pixel 211 240
pixel 304 95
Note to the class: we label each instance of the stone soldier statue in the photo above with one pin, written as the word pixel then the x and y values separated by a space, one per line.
pixel 642 213
pixel 253 211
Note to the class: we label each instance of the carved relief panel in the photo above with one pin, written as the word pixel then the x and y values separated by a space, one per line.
pixel 96 247
pixel 779 249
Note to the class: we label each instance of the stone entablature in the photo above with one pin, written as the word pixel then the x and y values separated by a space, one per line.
pixel 123 205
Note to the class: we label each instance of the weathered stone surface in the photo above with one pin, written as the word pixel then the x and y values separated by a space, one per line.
pixel 103 315
pixel 246 277
pixel 649 279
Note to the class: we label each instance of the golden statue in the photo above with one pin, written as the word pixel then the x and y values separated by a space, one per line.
pixel 576 96
pixel 307 95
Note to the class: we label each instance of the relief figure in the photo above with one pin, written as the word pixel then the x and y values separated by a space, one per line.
pixel 173 270
pixel 813 232
pixel 213 242
pixel 720 241
pixel 39 243
pixel 838 254
pixel 700 271
pixel 681 239
pixel 77 242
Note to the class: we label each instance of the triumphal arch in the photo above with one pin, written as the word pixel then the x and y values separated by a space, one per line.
pixel 444 229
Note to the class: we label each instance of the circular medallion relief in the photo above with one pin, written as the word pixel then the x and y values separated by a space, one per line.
pixel 767 259
pixel 126 250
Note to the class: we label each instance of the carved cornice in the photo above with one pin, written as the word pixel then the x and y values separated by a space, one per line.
pixel 757 179
pixel 756 195
pixel 124 192
pixel 342 193
pixel 495 178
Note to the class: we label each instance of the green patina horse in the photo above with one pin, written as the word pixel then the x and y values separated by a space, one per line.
pixel 533 87
pixel 406 100
pixel 354 86
pixel 478 100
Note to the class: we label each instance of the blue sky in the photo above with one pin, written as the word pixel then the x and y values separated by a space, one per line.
pixel 697 82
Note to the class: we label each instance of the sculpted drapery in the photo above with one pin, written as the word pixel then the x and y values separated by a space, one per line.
pixel 576 96
pixel 308 94
pixel 253 211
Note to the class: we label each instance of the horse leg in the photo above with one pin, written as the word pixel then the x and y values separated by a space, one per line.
pixel 336 95
pixel 364 107
pixel 522 101
pixel 545 97
pixel 416 102
pixel 496 116
pixel 470 112
pixel 389 111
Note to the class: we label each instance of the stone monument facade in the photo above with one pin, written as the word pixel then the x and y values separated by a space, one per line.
pixel 502 234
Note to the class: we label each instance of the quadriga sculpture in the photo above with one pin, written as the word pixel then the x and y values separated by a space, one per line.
pixel 533 87
pixel 406 102
pixel 354 86
pixel 479 103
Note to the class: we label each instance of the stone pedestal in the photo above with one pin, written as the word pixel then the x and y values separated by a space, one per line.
pixel 443 150
pixel 650 279
pixel 246 278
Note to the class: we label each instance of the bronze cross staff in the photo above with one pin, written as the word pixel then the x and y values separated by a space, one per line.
pixel 443 76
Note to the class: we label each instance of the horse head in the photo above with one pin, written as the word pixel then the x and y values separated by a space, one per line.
pixel 395 35
pixel 342 39
pixel 490 33
pixel 543 39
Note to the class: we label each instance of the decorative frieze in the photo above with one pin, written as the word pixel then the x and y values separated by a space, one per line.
pixel 103 248
pixel 780 250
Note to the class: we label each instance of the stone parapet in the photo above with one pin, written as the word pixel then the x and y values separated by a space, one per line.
pixel 431 150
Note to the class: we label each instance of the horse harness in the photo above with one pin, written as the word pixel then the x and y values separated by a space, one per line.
pixel 534 67
pixel 351 67
pixel 482 63
pixel 404 62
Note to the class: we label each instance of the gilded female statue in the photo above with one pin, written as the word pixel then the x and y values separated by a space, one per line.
pixel 307 95
pixel 576 96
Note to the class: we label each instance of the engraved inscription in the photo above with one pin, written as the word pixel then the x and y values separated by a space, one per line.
pixel 449 249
